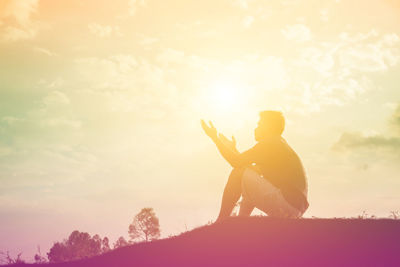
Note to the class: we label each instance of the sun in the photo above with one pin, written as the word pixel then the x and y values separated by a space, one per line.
pixel 226 95
pixel 223 98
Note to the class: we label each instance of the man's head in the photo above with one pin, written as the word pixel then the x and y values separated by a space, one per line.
pixel 271 123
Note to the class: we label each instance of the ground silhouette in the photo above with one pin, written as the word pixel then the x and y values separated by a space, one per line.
pixel 263 241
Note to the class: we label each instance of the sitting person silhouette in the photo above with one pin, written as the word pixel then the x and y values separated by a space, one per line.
pixel 269 176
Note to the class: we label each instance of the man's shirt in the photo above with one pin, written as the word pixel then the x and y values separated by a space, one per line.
pixel 281 166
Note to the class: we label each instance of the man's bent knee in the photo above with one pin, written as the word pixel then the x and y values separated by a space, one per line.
pixel 237 172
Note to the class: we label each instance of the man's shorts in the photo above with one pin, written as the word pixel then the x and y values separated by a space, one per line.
pixel 259 192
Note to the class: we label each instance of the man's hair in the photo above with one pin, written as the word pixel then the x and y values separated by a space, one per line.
pixel 274 120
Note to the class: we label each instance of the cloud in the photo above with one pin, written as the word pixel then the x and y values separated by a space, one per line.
pixel 112 73
pixel 395 120
pixel 124 85
pixel 148 41
pixel 352 141
pixel 20 10
pixel 247 21
pixel 335 72
pixel 133 6
pixel 15 20
pixel 297 32
pixel 318 58
pixel 169 55
pixel 104 31
pixel 60 123
pixel 361 52
pixel 356 140
pixel 11 120
pixel 369 52
pixel 241 3
pixel 11 34
pixel 56 99
pixel 324 14
pixel 43 51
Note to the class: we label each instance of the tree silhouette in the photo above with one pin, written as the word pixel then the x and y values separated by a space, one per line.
pixel 7 259
pixel 121 242
pixel 38 258
pixel 105 246
pixel 79 245
pixel 145 225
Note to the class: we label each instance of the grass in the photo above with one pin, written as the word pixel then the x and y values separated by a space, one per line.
pixel 263 241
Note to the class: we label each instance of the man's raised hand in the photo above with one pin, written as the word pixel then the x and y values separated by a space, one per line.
pixel 211 131
pixel 229 143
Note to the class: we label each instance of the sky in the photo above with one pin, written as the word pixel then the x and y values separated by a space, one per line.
pixel 101 101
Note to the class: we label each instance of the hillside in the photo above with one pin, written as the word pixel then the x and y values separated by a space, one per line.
pixel 263 241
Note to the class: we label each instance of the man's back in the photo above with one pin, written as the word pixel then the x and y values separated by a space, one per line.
pixel 281 166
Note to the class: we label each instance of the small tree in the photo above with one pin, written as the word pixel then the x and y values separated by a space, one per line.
pixel 105 245
pixel 145 225
pixel 38 258
pixel 394 215
pixel 121 242
pixel 7 259
pixel 79 245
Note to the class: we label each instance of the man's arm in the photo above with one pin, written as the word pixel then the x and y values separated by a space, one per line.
pixel 227 148
pixel 232 157
pixel 235 158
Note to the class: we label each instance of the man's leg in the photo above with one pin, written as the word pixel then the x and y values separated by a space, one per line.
pixel 259 192
pixel 231 194
pixel 246 207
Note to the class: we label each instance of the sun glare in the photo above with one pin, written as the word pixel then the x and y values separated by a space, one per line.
pixel 226 95
pixel 225 100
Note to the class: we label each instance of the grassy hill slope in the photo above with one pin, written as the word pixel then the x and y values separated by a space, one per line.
pixel 263 241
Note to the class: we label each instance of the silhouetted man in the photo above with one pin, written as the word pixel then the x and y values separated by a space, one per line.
pixel 269 176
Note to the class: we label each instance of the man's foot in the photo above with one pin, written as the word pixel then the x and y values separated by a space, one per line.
pixel 220 220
